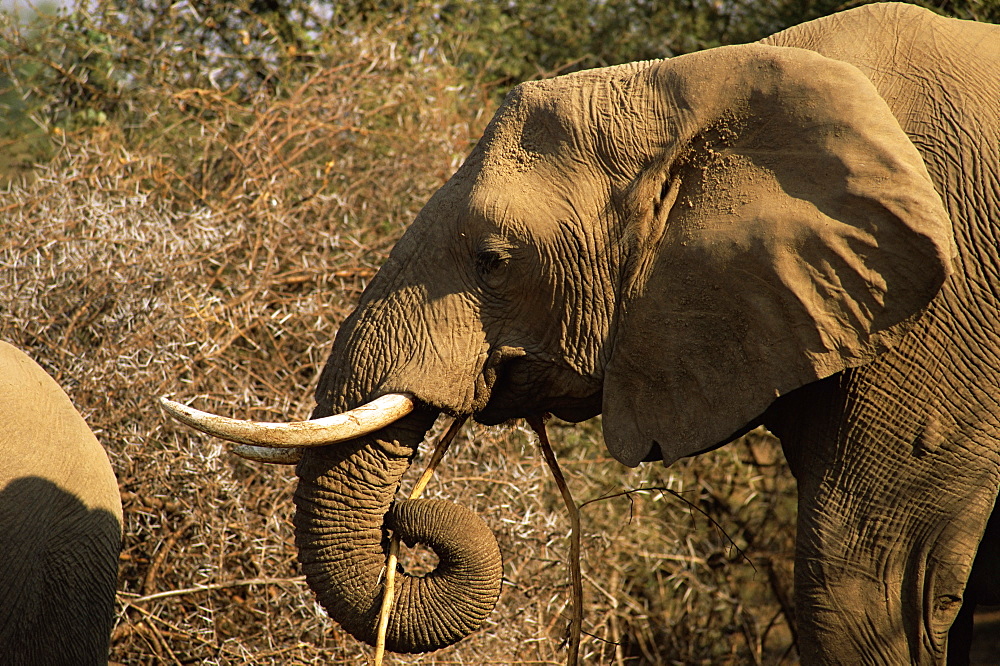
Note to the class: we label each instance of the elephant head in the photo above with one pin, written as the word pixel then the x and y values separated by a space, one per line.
pixel 673 243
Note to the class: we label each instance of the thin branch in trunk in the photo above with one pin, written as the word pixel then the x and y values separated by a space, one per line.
pixel 576 578
pixel 390 566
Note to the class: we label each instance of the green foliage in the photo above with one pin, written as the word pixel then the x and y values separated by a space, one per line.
pixel 974 10
pixel 98 63
pixel 514 41
pixel 508 42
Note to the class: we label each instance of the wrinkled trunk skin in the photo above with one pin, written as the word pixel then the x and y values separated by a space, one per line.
pixel 345 508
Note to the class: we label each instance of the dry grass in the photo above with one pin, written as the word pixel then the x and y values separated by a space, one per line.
pixel 211 256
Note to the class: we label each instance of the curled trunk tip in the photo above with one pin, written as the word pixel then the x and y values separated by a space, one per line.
pixel 461 591
pixel 345 510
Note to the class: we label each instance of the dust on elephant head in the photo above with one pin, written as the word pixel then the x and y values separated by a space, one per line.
pixel 751 234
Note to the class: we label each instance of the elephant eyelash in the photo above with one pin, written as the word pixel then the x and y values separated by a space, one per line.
pixel 488 261
pixel 493 253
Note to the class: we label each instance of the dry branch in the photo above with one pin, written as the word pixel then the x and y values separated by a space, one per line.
pixel 576 623
pixel 388 594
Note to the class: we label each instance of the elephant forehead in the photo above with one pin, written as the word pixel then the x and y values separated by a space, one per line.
pixel 526 203
pixel 522 135
pixel 551 120
pixel 542 170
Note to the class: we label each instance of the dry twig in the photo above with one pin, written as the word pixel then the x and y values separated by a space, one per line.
pixel 388 596
pixel 576 624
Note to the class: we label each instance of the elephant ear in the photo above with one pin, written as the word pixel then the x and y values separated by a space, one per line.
pixel 786 230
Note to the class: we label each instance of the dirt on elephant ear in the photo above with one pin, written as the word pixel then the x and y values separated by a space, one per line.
pixel 727 181
pixel 733 173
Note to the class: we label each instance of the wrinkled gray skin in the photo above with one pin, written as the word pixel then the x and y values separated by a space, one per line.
pixel 60 525
pixel 804 238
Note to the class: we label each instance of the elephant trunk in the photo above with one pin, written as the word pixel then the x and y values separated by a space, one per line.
pixel 344 510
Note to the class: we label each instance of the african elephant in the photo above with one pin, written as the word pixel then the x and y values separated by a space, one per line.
pixel 799 233
pixel 60 524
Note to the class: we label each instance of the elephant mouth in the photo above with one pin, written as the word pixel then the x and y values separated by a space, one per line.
pixel 519 384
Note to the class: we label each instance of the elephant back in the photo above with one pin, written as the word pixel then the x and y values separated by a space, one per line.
pixel 60 524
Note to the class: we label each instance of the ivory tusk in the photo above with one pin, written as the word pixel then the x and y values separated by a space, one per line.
pixel 268 454
pixel 359 421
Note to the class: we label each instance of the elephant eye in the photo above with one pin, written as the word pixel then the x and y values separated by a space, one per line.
pixel 488 261
pixel 493 253
pixel 492 256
